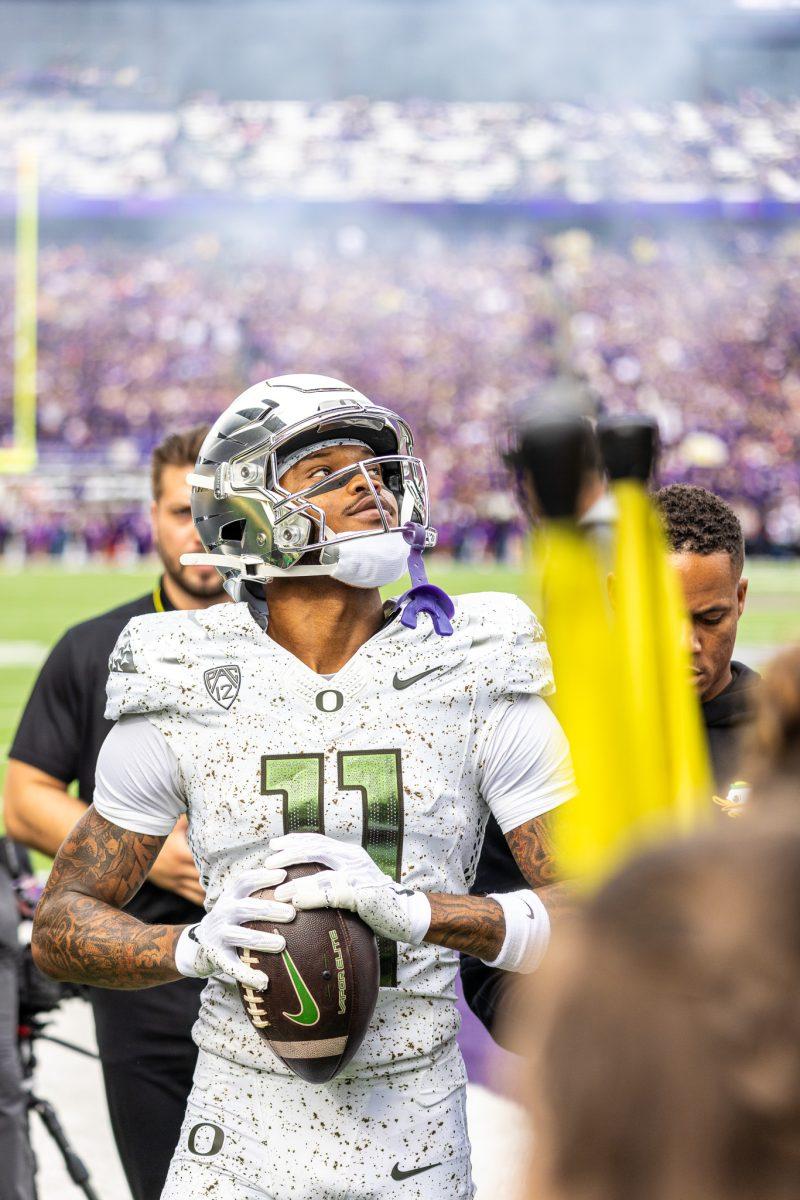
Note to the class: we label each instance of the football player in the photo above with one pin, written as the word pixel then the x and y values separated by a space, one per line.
pixel 311 722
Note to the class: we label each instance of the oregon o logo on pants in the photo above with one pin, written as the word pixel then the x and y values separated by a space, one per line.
pixel 206 1139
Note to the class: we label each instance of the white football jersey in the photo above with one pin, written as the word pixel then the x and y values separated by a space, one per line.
pixel 388 753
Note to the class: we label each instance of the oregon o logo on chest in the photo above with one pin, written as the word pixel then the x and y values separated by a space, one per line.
pixel 330 700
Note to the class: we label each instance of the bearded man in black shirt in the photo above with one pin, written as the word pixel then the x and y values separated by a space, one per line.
pixel 144 1037
pixel 707 551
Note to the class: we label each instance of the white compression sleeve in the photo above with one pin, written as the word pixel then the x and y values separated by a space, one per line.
pixel 136 782
pixel 527 932
pixel 525 763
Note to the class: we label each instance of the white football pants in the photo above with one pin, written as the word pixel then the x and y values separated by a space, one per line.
pixel 252 1135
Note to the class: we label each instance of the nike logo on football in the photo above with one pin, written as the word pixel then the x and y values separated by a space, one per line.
pixel 398 1174
pixel 308 1013
pixel 400 684
pixel 531 913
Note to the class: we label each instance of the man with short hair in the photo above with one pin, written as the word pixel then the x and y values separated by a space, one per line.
pixel 707 551
pixel 144 1039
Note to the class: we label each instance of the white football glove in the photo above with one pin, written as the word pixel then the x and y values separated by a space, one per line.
pixel 209 948
pixel 355 882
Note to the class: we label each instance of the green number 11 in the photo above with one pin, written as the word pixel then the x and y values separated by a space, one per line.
pixel 377 775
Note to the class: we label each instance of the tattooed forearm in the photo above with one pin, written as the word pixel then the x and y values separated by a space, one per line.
pixel 532 845
pixel 475 924
pixel 79 933
pixel 471 924
pixel 87 941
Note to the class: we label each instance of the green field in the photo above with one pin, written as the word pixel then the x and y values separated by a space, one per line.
pixel 39 604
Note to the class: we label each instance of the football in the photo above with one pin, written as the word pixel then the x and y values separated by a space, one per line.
pixel 322 989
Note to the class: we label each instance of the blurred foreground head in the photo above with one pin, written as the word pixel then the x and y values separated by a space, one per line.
pixel 666 1063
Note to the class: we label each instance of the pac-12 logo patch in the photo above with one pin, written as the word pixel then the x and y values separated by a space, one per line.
pixel 222 684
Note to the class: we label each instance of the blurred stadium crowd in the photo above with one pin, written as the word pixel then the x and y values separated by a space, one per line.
pixel 105 135
pixel 138 340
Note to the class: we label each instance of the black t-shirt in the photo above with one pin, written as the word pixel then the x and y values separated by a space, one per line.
pixel 63 727
pixel 725 718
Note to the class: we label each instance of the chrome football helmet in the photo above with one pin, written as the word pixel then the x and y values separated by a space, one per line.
pixel 252 528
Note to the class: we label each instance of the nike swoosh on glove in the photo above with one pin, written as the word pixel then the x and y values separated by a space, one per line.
pixel 210 947
pixel 355 883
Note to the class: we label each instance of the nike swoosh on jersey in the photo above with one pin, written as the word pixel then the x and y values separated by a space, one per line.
pixel 398 1174
pixel 400 684
pixel 308 1013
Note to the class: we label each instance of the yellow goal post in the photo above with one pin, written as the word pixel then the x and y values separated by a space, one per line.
pixel 20 456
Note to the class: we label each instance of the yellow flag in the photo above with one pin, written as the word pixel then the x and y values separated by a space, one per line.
pixel 668 754
pixel 624 694
pixel 579 634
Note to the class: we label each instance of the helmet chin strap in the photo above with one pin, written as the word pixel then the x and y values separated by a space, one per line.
pixel 365 562
pixel 260 571
pixel 369 562
pixel 422 596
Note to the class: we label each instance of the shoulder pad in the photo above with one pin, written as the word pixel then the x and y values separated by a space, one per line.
pixel 509 635
pixel 153 667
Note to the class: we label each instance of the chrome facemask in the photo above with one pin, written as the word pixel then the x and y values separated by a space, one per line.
pixel 279 527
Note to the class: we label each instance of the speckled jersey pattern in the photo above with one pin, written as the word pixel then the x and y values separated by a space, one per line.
pixel 251 1135
pixel 386 753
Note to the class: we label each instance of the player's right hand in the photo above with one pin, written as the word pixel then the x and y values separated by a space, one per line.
pixel 209 948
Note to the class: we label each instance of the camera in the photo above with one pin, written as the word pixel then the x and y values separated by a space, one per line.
pixel 38 994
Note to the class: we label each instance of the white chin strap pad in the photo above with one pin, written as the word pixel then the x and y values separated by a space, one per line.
pixel 369 562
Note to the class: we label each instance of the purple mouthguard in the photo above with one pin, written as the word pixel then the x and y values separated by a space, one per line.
pixel 422 596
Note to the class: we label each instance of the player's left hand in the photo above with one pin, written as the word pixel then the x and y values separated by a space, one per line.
pixel 355 882
pixel 175 869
